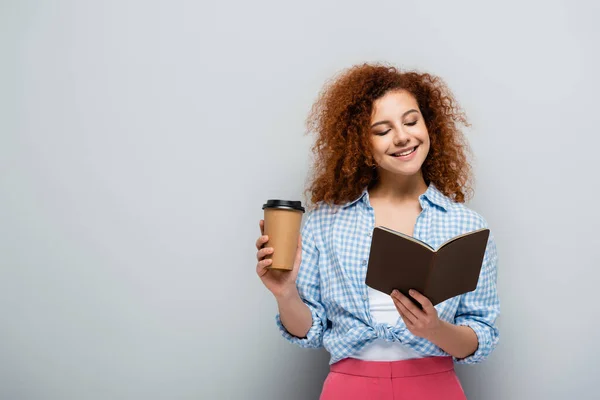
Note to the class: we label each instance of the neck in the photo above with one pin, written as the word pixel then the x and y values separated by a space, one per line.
pixel 398 189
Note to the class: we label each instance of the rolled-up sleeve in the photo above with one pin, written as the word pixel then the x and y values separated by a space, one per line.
pixel 480 308
pixel 308 286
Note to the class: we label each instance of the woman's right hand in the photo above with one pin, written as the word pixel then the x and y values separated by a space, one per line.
pixel 279 282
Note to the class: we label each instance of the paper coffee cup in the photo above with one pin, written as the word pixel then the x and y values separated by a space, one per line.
pixel 283 219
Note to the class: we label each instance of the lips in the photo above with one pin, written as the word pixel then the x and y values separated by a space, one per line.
pixel 404 153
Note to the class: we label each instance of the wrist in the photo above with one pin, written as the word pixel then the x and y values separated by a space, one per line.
pixel 438 331
pixel 286 294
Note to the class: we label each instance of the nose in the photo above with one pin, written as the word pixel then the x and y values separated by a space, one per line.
pixel 400 137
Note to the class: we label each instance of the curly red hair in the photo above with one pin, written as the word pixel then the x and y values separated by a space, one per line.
pixel 341 116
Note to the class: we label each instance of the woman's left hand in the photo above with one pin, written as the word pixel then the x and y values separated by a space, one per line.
pixel 423 323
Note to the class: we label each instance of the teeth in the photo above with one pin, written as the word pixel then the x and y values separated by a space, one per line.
pixel 405 153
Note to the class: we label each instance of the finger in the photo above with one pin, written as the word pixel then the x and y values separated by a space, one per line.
pixel 407 316
pixel 299 251
pixel 264 252
pixel 408 304
pixel 427 306
pixel 260 242
pixel 261 223
pixel 406 321
pixel 261 267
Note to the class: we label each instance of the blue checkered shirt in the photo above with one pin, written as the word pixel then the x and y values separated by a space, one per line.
pixel 336 240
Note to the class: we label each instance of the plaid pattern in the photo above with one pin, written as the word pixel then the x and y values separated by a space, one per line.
pixel 336 240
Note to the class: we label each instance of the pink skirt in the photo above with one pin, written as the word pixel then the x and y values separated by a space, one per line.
pixel 426 378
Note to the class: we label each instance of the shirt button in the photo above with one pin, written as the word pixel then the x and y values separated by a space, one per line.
pixel 370 234
pixel 364 297
pixel 364 262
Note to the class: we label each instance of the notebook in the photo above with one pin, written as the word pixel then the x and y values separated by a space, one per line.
pixel 399 261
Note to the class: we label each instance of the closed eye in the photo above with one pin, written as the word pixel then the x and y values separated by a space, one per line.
pixel 407 124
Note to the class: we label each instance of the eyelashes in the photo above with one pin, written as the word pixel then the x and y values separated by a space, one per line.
pixel 408 124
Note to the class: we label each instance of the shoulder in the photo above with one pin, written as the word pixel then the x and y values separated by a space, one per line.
pixel 453 213
pixel 324 218
pixel 319 216
pixel 464 217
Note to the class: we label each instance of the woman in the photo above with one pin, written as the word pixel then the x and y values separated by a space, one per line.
pixel 388 152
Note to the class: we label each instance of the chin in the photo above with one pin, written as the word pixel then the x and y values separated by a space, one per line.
pixel 408 170
pixel 408 173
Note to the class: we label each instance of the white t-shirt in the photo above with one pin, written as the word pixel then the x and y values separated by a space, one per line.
pixel 383 310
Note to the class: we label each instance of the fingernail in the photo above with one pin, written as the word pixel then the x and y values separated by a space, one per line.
pixel 395 292
pixel 411 291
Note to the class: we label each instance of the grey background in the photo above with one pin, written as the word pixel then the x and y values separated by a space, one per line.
pixel 138 141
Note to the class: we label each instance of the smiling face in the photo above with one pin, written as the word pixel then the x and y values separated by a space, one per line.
pixel 399 137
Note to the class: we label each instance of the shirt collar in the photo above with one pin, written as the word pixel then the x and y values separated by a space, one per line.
pixel 436 197
pixel 432 194
pixel 364 194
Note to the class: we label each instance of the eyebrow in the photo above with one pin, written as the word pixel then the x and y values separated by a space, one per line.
pixel 388 122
